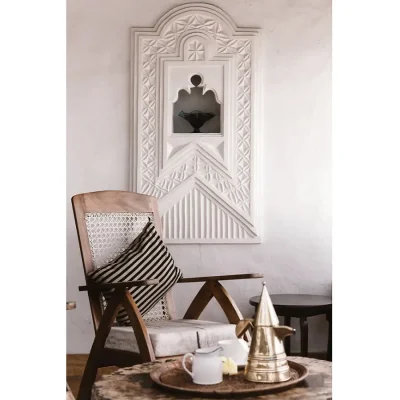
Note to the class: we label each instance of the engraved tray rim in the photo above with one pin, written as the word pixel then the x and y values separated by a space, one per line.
pixel 156 374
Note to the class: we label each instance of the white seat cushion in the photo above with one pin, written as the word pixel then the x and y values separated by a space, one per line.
pixel 172 338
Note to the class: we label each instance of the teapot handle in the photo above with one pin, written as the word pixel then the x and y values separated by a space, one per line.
pixel 183 363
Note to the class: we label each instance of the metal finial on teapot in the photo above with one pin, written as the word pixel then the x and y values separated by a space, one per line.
pixel 267 358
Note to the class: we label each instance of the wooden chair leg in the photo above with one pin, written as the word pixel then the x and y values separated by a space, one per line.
pixel 93 362
pixel 200 302
pixel 228 305
pixel 139 328
pixel 214 289
pixel 243 326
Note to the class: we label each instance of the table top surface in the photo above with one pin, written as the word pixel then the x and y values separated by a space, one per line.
pixel 295 300
pixel 135 383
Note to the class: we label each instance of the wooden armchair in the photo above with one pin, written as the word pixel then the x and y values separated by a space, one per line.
pixel 106 223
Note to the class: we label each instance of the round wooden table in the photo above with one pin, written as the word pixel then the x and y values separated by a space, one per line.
pixel 135 383
pixel 301 306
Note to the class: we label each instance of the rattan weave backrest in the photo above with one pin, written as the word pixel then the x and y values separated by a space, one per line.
pixel 109 235
pixel 107 222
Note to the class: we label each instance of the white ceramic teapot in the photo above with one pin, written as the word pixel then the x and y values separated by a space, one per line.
pixel 236 349
pixel 206 366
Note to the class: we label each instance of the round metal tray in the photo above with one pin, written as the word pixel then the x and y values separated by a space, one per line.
pixel 172 377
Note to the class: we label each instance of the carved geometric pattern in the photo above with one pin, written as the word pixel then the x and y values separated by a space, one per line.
pixel 198 165
pixel 239 193
pixel 181 222
pixel 196 51
pixel 213 175
pixel 193 22
pixel 109 235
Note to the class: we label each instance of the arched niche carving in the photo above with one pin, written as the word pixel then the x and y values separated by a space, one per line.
pixel 196 111
pixel 206 182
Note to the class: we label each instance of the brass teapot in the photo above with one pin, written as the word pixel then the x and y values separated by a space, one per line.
pixel 267 358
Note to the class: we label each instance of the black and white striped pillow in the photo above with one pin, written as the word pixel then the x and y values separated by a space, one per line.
pixel 146 258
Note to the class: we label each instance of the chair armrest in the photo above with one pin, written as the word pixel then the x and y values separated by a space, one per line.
pixel 100 287
pixel 220 278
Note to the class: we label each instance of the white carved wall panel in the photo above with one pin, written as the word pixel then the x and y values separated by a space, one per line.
pixel 206 182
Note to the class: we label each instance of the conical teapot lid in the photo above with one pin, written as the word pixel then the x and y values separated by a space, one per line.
pixel 266 315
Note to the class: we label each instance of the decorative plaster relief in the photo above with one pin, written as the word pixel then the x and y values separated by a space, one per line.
pixel 205 182
pixel 196 51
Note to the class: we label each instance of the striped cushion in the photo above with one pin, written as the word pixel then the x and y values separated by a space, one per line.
pixel 145 258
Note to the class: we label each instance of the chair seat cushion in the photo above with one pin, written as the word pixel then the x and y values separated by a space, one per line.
pixel 174 337
pixel 145 258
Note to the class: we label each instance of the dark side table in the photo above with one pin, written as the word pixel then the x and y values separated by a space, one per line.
pixel 301 306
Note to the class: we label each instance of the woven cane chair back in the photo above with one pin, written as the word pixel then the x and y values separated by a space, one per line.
pixel 107 222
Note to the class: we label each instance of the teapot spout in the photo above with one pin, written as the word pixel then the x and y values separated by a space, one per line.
pixel 283 331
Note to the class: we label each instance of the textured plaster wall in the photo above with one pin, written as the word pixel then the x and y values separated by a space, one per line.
pixel 295 254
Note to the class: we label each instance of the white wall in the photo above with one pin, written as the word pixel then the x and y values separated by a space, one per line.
pixel 295 254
